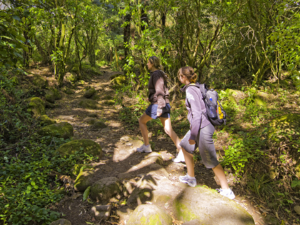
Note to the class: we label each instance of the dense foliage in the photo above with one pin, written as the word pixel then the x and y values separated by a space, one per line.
pixel 250 45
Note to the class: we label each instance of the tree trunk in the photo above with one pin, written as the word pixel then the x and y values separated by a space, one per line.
pixel 127 34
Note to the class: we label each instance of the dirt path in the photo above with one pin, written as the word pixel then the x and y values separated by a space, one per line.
pixel 120 159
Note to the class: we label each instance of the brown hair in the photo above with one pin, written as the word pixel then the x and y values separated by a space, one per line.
pixel 155 61
pixel 189 73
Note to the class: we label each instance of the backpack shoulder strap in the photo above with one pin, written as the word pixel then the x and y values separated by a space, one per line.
pixel 203 89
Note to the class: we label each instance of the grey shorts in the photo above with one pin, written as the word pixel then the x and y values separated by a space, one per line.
pixel 206 146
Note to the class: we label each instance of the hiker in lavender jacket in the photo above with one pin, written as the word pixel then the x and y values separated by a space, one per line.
pixel 159 107
pixel 200 134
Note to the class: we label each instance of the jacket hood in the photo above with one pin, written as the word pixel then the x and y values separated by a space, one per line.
pixel 190 84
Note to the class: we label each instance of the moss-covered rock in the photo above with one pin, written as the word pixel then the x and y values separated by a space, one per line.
pixel 119 80
pixel 235 95
pixel 89 93
pixel 90 120
pixel 209 207
pixel 40 81
pixel 149 214
pixel 49 105
pixel 84 179
pixel 67 90
pixel 99 125
pixel 260 102
pixel 96 124
pixel 60 130
pixel 104 189
pixel 61 222
pixel 109 102
pixel 265 96
pixel 37 106
pixel 89 147
pixel 52 95
pixel 78 168
pixel 88 104
pixel 45 120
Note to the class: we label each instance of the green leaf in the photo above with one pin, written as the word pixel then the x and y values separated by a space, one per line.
pixel 86 193
pixel 17 18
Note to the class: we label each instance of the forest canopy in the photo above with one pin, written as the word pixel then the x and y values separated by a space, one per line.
pixel 252 40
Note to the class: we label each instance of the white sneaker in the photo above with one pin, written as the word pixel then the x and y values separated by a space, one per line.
pixel 144 148
pixel 226 192
pixel 188 180
pixel 179 158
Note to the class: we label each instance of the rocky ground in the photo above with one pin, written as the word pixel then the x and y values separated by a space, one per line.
pixel 150 179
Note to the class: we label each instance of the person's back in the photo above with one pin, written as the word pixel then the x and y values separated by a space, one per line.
pixel 159 107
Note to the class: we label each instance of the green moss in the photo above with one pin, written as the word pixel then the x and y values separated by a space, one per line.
pixel 60 130
pixel 37 106
pixel 151 220
pixel 183 212
pixel 119 81
pixel 87 146
pixel 116 75
pixel 40 81
pixel 109 102
pixel 45 120
pixel 259 102
pixel 89 93
pixel 99 125
pixel 84 178
pixel 52 95
pixel 68 91
pixel 105 188
pixel 88 104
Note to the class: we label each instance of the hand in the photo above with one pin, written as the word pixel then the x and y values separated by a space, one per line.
pixel 192 142
pixel 148 100
pixel 159 112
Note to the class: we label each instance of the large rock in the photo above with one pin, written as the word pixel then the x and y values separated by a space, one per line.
pixel 235 95
pixel 88 104
pixel 52 95
pixel 45 120
pixel 60 130
pixel 149 214
pixel 37 106
pixel 61 222
pixel 87 146
pixel 106 188
pixel 40 81
pixel 84 179
pixel 89 93
pixel 209 207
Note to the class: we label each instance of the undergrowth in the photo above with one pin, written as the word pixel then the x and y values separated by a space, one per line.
pixel 264 166
pixel 26 161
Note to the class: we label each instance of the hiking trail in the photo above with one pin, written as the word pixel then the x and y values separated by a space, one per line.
pixel 154 172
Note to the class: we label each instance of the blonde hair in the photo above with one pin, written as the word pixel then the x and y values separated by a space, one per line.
pixel 189 73
pixel 155 61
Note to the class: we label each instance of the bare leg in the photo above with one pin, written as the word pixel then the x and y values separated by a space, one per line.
pixel 189 161
pixel 143 127
pixel 219 172
pixel 166 122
